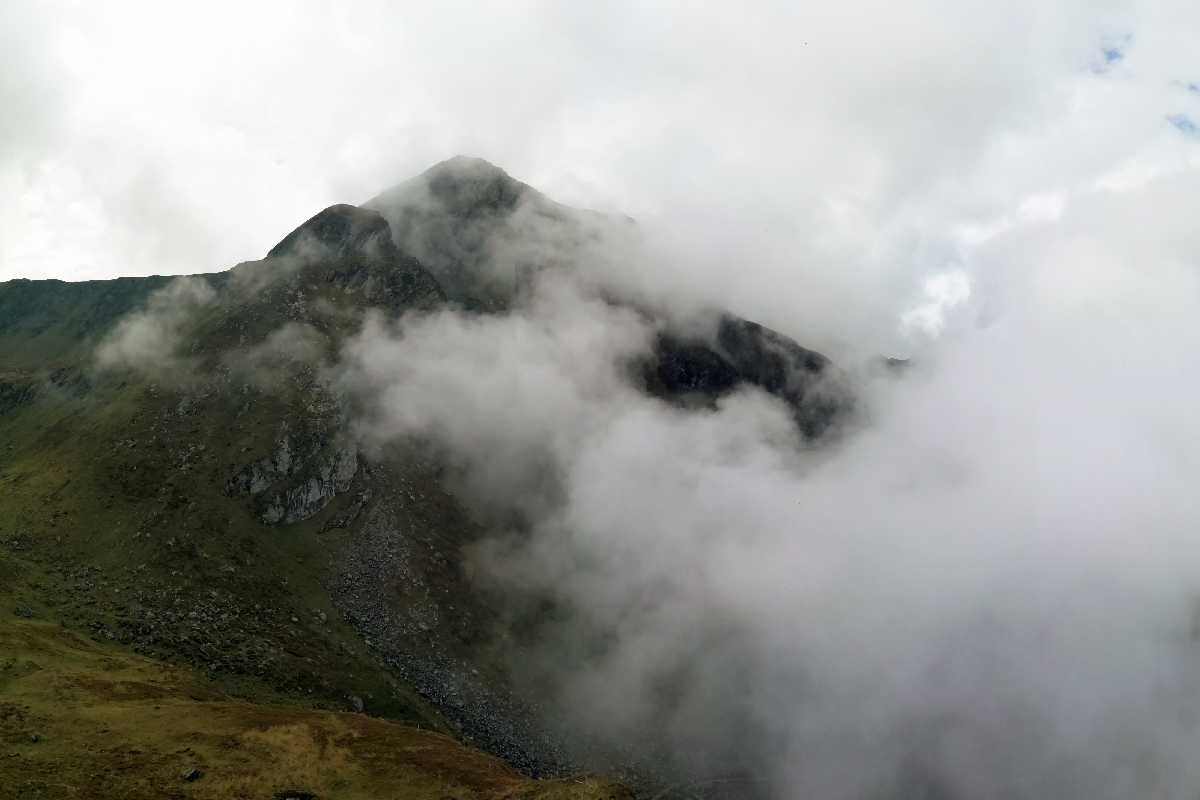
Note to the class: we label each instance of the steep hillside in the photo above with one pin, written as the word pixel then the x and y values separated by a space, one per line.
pixel 180 475
pixel 82 717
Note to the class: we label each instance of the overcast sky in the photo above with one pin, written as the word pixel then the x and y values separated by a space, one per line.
pixel 845 171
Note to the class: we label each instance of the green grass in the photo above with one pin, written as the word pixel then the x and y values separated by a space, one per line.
pixel 111 488
pixel 81 719
pixel 116 530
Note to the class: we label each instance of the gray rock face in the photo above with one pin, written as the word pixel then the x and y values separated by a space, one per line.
pixel 21 608
pixel 310 481
pixel 262 474
pixel 333 476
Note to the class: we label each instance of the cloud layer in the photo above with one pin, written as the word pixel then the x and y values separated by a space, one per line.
pixel 815 166
pixel 987 591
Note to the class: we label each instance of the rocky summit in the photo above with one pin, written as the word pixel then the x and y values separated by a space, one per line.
pixel 207 582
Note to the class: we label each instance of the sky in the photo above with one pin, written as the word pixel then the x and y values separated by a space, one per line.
pixel 987 588
pixel 845 172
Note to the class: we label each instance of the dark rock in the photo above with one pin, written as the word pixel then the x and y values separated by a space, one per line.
pixel 294 794
pixel 191 774
pixel 691 368
pixel 484 235
pixel 696 371
pixel 343 520
pixel 448 217
pixel 262 474
pixel 331 477
pixel 804 378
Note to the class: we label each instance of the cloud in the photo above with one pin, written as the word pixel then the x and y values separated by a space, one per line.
pixel 30 83
pixel 990 589
pixel 553 374
pixel 149 340
pixel 986 592
pixel 808 166
pixel 270 361
pixel 939 294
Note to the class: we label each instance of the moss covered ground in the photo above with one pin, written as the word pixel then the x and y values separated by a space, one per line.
pixel 81 718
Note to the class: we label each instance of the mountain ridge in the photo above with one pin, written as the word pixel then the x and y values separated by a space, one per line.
pixel 208 472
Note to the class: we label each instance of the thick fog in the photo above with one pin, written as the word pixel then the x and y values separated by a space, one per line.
pixel 986 586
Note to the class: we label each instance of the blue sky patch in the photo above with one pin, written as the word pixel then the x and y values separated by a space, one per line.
pixel 1184 124
pixel 1111 50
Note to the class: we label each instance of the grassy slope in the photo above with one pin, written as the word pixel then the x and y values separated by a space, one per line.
pixel 120 499
pixel 114 483
pixel 81 718
pixel 115 523
pixel 142 610
pixel 113 499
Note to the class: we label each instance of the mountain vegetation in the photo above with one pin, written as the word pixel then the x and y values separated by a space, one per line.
pixel 201 568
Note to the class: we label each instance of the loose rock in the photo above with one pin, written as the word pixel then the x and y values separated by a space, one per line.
pixel 294 794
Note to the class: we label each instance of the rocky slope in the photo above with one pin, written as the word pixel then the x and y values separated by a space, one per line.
pixel 84 719
pixel 181 475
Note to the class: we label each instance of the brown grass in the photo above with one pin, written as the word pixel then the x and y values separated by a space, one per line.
pixel 89 721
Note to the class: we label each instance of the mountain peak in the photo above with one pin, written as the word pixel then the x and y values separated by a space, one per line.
pixel 462 186
pixel 468 165
pixel 338 230
pixel 451 217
